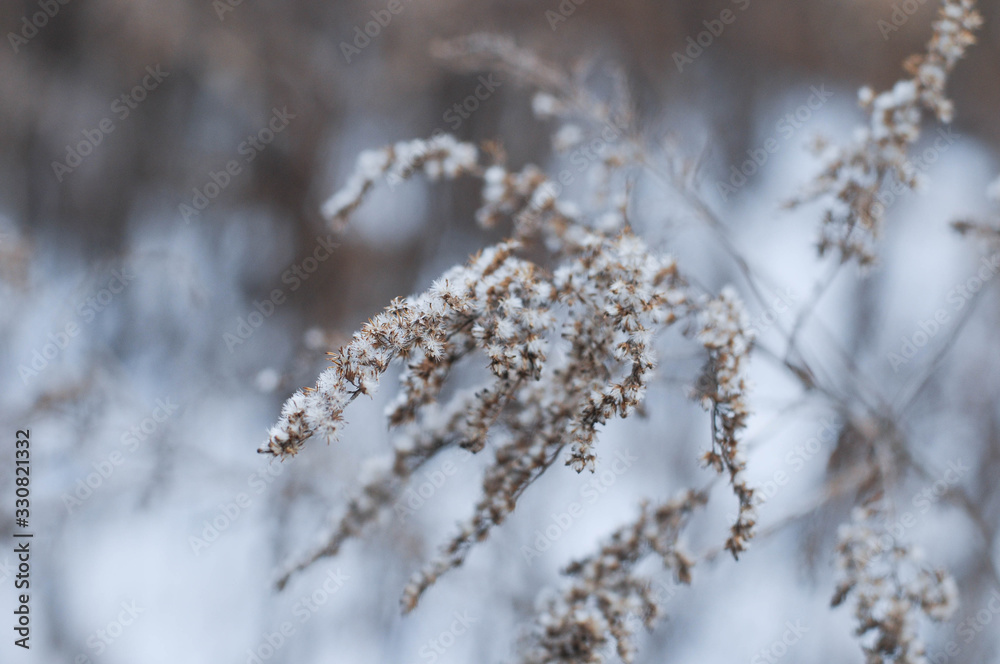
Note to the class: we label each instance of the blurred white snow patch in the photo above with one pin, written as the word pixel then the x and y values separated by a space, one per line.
pixel 230 426
pixel 994 190
pixel 314 338
pixel 180 601
pixel 267 380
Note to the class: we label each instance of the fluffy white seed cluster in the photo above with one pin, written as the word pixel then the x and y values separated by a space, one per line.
pixel 506 193
pixel 605 591
pixel 632 291
pixel 952 36
pixel 441 155
pixel 615 291
pixel 494 303
pixel 853 178
pixel 890 587
pixel 723 332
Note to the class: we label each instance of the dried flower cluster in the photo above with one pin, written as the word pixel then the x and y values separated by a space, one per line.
pixel 853 178
pixel 598 299
pixel 386 477
pixel 723 333
pixel 890 587
pixel 568 338
pixel 604 299
pixel 437 156
pixel 594 610
pixel 494 303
